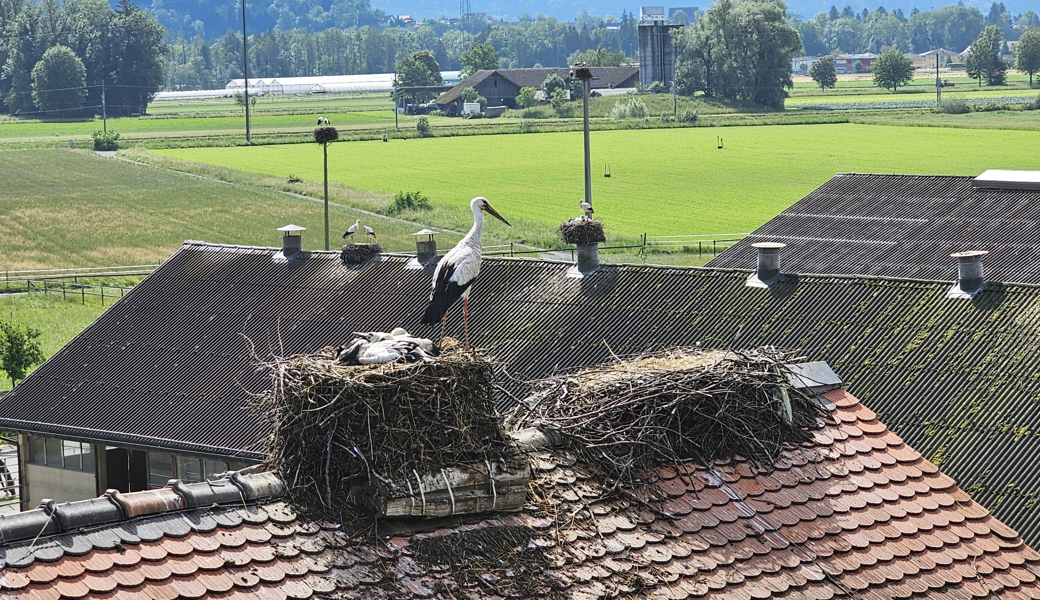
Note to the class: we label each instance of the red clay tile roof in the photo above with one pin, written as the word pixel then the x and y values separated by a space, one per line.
pixel 856 513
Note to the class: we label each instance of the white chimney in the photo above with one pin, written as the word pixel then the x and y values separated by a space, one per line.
pixel 970 277
pixel 768 270
pixel 291 244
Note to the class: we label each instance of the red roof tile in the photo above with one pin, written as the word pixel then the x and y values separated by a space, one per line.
pixel 859 512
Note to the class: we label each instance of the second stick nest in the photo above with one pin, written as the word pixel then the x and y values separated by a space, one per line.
pixel 582 231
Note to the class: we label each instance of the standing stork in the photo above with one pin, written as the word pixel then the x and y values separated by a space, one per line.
pixel 370 233
pixel 352 230
pixel 586 208
pixel 457 271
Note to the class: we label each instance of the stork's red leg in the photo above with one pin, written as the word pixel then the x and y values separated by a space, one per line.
pixel 465 319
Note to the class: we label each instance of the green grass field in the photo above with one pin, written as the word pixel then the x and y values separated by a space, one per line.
pixel 58 321
pixel 663 181
pixel 65 209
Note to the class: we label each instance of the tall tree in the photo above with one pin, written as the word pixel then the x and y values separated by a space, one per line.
pixel 480 56
pixel 984 58
pixel 892 69
pixel 739 51
pixel 59 83
pixel 19 350
pixel 1027 53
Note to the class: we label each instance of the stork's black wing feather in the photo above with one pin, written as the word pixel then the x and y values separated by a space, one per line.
pixel 445 293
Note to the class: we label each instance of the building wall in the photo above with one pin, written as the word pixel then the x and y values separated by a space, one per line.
pixel 499 91
pixel 61 485
pixel 656 53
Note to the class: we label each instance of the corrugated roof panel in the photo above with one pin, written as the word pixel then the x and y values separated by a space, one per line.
pixel 902 226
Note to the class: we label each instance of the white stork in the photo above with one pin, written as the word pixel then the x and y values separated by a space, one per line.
pixel 352 230
pixel 457 271
pixel 586 208
pixel 369 232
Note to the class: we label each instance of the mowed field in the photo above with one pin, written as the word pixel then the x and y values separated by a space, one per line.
pixel 68 209
pixel 663 181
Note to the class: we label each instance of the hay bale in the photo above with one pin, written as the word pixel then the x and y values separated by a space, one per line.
pixel 340 432
pixel 582 231
pixel 626 418
pixel 355 254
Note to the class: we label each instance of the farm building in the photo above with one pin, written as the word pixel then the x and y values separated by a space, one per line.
pixel 853 511
pixel 800 65
pixel 657 53
pixel 502 86
pixel 328 84
pixel 906 226
pixel 942 57
pixel 167 371
pixel 854 63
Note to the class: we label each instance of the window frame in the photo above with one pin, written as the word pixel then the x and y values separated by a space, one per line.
pixel 54 454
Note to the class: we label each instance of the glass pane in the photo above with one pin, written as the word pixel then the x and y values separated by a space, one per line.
pixel 212 468
pixel 236 465
pixel 38 453
pixel 88 458
pixel 72 451
pixel 160 469
pixel 53 452
pixel 189 469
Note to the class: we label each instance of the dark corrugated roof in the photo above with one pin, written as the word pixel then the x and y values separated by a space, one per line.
pixel 602 78
pixel 902 226
pixel 169 362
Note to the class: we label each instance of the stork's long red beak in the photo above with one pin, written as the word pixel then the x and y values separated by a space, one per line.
pixel 494 212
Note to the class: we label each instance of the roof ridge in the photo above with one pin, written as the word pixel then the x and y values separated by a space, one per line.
pixel 52 518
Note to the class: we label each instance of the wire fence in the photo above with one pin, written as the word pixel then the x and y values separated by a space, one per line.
pixel 67 289
pixel 76 274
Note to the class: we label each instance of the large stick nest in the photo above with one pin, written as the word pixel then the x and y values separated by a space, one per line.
pixel 338 430
pixel 626 418
pixel 325 135
pixel 582 231
pixel 355 254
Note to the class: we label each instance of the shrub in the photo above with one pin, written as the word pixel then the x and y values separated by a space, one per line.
pixel 631 109
pixel 666 117
pixel 294 179
pixel 106 141
pixel 953 107
pixel 408 201
pixel 689 116
pixel 423 126
pixel 1034 105
pixel 655 87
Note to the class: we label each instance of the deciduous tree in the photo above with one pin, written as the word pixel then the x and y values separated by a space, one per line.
pixel 19 350
pixel 892 69
pixel 1027 53
pixel 527 97
pixel 59 83
pixel 823 73
pixel 480 56
pixel 552 83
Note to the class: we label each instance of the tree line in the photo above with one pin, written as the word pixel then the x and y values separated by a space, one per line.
pixel 59 58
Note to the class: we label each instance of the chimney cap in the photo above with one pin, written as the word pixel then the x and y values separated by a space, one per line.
pixel 290 228
pixel 969 253
pixel 425 232
pixel 769 245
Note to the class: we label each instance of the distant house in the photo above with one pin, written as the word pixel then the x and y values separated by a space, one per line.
pixel 502 86
pixel 802 64
pixel 651 13
pixel 854 63
pixel 942 57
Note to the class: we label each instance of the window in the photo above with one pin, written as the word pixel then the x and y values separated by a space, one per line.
pixel 189 469
pixel 61 454
pixel 160 469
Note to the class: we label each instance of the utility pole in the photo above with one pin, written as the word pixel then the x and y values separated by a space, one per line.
pixel 104 117
pixel 938 83
pixel 584 74
pixel 245 66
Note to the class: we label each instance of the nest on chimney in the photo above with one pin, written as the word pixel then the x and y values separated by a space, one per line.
pixel 355 254
pixel 582 231
pixel 325 135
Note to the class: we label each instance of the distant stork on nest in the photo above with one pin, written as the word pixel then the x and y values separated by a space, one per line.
pixel 586 208
pixel 352 230
pixel 457 271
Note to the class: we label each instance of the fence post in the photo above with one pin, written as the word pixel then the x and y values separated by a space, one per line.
pixel 700 248
pixel 83 294
pixel 102 295
pixel 713 247
pixel 510 249
pixel 63 291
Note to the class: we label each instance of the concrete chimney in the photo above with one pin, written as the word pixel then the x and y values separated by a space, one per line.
pixel 970 276
pixel 291 244
pixel 767 271
pixel 588 257
pixel 425 250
